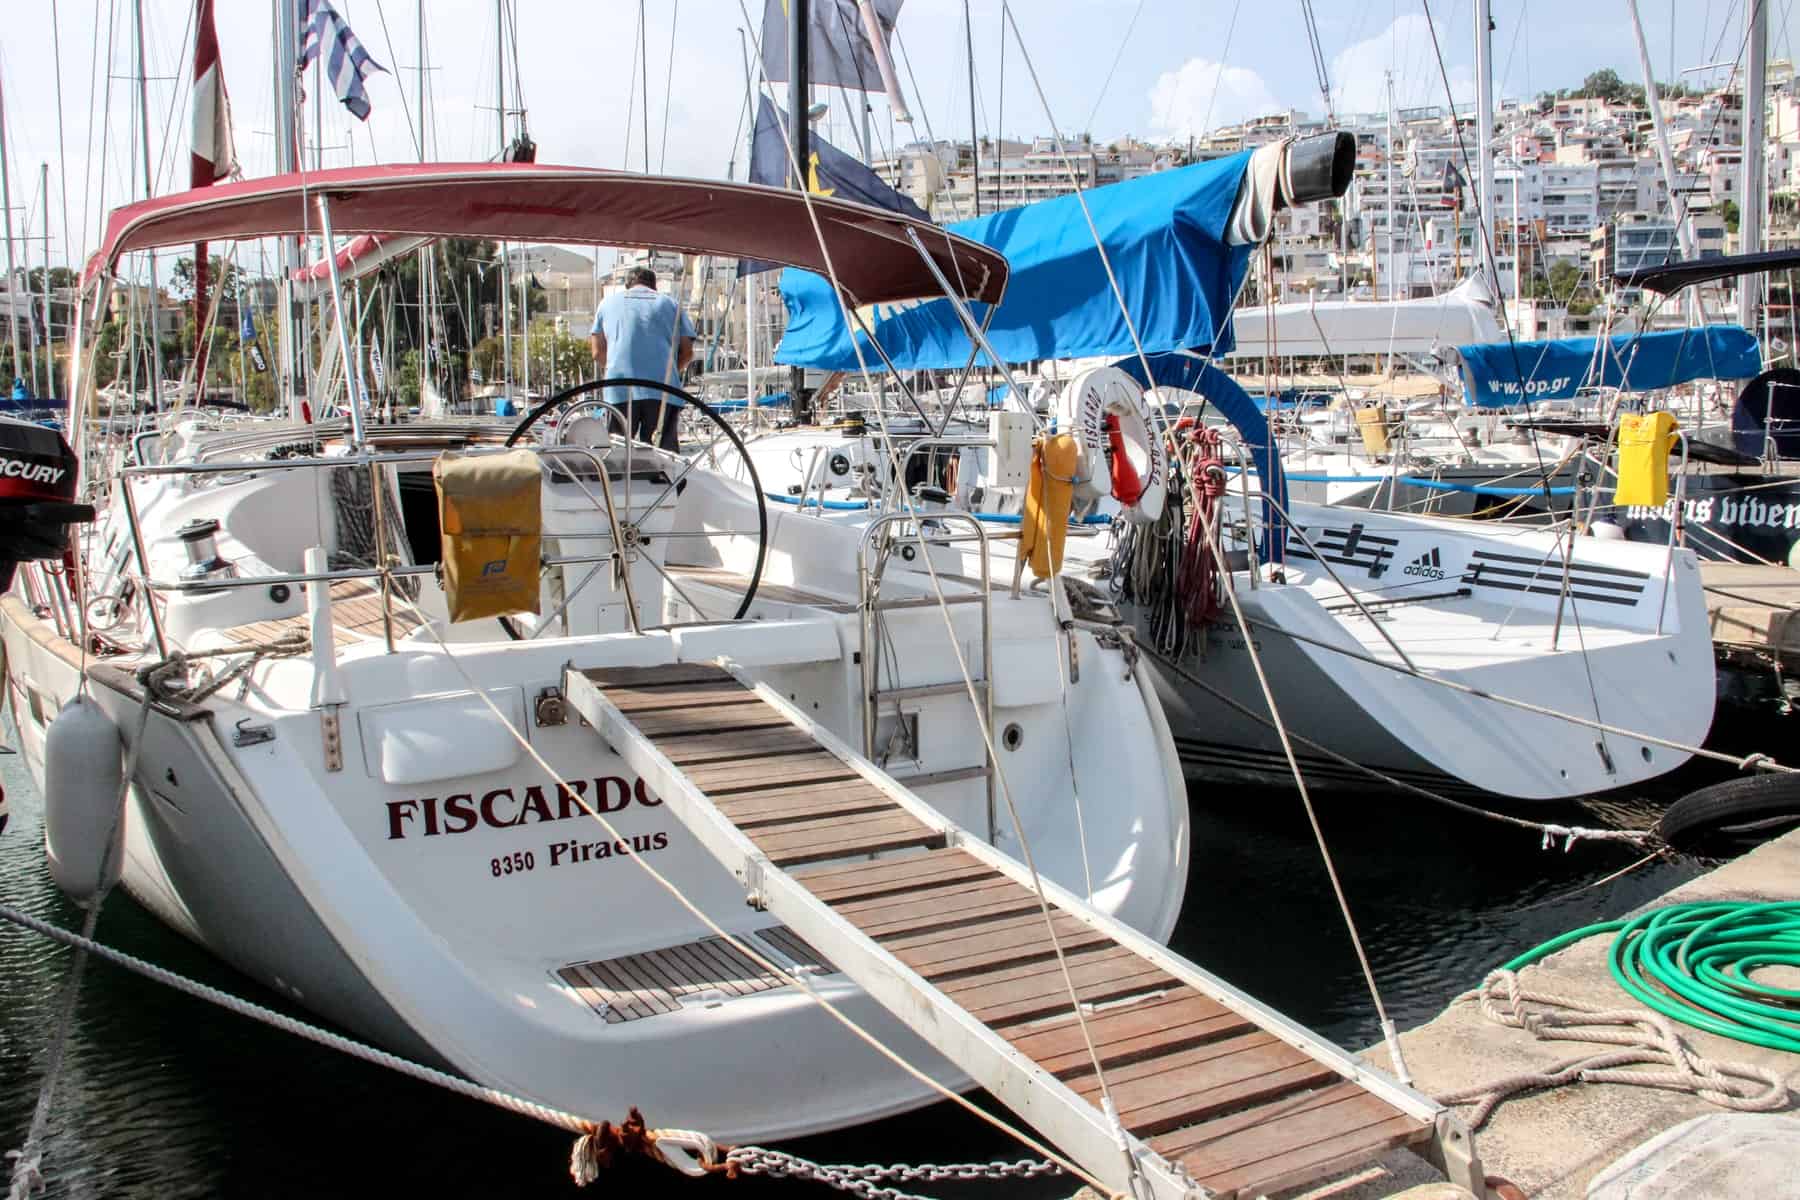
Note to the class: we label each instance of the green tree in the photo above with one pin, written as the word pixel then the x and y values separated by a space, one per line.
pixel 1605 84
pixel 558 356
pixel 221 279
pixel 1729 210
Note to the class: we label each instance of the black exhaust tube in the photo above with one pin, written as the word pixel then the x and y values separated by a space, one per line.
pixel 1320 167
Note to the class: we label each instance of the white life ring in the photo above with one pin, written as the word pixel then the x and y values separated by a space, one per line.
pixel 1092 397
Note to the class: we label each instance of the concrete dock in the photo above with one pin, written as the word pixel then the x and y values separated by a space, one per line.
pixel 1551 1144
pixel 1751 607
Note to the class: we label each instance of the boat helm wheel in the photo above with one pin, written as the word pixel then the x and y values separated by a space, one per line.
pixel 1121 455
pixel 570 430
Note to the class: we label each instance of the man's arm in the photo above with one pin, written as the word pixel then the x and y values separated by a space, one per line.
pixel 597 344
pixel 684 354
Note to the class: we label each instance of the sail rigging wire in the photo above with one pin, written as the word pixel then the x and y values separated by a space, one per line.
pixel 1118 57
pixel 981 723
pixel 415 134
pixel 62 148
pixel 662 159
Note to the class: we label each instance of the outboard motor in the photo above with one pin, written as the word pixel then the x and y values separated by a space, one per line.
pixel 37 495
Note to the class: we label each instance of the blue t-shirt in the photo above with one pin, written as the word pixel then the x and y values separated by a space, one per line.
pixel 642 328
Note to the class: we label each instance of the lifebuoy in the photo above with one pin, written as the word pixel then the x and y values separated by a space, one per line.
pixel 1120 455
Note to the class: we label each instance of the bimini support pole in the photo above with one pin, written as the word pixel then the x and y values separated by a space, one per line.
pixel 352 378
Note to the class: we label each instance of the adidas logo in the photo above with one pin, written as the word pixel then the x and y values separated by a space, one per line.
pixel 1429 565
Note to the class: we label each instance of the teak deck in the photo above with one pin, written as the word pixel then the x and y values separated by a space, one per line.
pixel 1218 1093
pixel 355 617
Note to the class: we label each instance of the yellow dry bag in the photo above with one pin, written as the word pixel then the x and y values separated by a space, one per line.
pixel 490 510
pixel 1372 424
pixel 1645 440
pixel 1045 523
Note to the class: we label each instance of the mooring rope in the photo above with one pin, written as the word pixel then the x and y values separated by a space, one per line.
pixel 1646 1039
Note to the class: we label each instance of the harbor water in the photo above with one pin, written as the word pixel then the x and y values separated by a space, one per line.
pixel 163 1096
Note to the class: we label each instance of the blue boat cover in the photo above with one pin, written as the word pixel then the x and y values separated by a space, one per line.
pixel 1499 374
pixel 1165 236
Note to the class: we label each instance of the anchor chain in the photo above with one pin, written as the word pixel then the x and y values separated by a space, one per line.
pixel 869 1181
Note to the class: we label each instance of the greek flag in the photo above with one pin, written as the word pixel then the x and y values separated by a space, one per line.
pixel 346 63
pixel 247 323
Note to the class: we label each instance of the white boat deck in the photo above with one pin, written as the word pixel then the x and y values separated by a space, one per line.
pixel 1460 633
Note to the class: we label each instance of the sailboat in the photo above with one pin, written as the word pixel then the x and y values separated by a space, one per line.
pixel 331 663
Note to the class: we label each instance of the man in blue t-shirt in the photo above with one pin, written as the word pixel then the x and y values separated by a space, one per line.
pixel 640 334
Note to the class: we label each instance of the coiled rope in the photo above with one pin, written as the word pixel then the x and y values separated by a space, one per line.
pixel 1689 963
pixel 1695 962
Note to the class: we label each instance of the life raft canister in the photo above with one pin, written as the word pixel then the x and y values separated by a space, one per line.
pixel 1121 455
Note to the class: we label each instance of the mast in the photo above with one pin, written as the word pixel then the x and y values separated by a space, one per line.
pixel 1393 280
pixel 287 45
pixel 1484 136
pixel 425 311
pixel 49 333
pixel 12 278
pixel 144 133
pixel 800 132
pixel 1677 204
pixel 1750 212
pixel 750 281
pixel 500 119
pixel 974 141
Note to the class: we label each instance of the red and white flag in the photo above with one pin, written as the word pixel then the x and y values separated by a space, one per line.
pixel 212 157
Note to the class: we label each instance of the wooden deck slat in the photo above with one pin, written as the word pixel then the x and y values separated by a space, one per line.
pixel 771 771
pixel 842 838
pixel 879 908
pixel 1043 996
pixel 634 700
pixel 1280 1144
pixel 1049 1038
pixel 674 724
pixel 667 675
pixel 799 803
pixel 1020 940
pixel 849 882
pixel 946 914
pixel 734 746
pixel 827 829
pixel 1151 1028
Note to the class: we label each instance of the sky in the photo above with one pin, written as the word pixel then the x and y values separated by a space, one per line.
pixel 1155 68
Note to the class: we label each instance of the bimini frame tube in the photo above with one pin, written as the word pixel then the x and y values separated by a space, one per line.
pixel 352 379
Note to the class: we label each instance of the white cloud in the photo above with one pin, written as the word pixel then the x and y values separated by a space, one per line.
pixel 1203 94
pixel 1359 72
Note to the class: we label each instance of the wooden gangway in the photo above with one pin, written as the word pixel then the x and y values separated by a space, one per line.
pixel 1216 1094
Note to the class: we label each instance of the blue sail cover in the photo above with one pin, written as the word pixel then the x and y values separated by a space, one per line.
pixel 1165 236
pixel 1499 374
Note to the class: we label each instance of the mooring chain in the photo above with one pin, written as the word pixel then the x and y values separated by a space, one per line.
pixel 869 1181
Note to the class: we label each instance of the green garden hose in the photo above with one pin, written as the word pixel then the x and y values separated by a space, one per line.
pixel 1695 962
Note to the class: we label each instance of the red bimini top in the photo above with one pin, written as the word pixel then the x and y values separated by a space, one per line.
pixel 869 249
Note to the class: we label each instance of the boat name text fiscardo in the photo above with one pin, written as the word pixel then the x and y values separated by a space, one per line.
pixel 509 808
pixel 30 472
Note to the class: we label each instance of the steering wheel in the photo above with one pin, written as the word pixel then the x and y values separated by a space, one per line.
pixel 630 529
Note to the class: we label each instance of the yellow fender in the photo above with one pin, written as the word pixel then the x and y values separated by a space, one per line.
pixel 1045 523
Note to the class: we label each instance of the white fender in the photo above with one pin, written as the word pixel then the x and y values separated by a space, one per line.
pixel 83 773
pixel 1089 399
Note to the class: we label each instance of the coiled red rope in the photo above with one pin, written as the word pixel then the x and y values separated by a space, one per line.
pixel 1197 581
